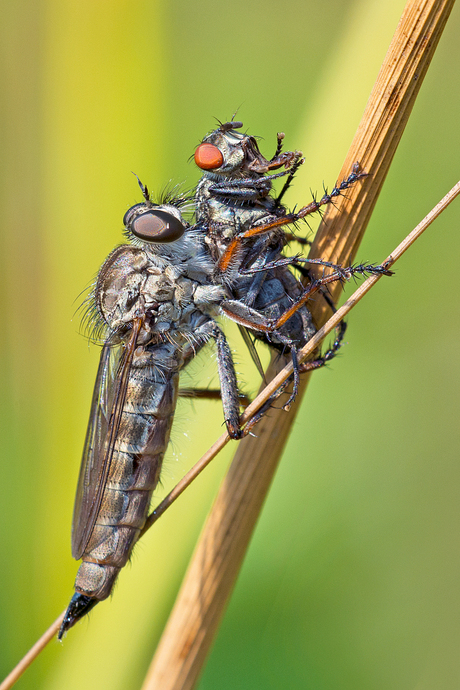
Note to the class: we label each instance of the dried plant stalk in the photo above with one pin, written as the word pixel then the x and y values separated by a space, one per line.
pixel 215 564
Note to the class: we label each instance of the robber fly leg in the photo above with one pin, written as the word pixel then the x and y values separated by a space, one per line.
pixel 210 394
pixel 228 384
pixel 295 371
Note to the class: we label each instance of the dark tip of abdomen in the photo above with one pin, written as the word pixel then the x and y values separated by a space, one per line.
pixel 79 606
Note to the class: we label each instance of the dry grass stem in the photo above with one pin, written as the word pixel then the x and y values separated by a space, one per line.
pixel 212 572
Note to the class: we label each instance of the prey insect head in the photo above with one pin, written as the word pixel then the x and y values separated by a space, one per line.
pixel 152 223
pixel 228 152
pixel 216 148
pixel 222 151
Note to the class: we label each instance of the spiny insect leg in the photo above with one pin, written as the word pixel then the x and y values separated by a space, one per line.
pixel 227 257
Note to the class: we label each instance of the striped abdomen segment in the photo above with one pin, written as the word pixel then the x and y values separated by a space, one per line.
pixel 135 467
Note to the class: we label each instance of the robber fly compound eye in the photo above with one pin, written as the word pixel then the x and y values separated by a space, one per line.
pixel 208 157
pixel 152 224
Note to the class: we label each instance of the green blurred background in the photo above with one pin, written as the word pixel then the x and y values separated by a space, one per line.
pixel 352 578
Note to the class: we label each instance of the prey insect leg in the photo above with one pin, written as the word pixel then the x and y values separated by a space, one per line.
pixel 279 145
pixel 289 180
pixel 252 319
pixel 340 275
pixel 227 257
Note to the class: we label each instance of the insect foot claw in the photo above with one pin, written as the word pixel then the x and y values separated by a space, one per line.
pixel 358 171
pixel 385 269
pixel 79 606
pixel 380 269
pixel 235 432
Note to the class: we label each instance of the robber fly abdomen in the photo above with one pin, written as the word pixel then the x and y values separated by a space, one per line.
pixel 135 466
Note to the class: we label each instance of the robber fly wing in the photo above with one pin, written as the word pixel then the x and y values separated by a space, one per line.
pixel 92 464
pixel 105 416
pixel 248 341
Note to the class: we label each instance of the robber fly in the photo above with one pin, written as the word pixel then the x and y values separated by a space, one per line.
pixel 155 299
pixel 245 232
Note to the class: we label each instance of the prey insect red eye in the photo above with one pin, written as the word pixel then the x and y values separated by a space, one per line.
pixel 208 157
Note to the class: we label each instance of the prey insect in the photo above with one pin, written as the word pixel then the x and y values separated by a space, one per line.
pixel 245 226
